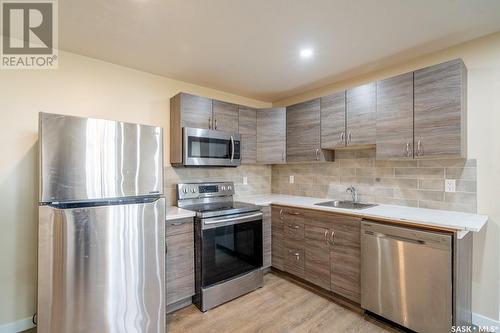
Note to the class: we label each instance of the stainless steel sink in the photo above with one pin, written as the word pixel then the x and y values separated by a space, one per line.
pixel 345 204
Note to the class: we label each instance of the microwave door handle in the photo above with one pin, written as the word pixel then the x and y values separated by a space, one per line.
pixel 232 149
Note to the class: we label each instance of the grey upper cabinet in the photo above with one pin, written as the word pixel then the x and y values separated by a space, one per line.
pixel 333 121
pixel 248 132
pixel 271 136
pixel 361 115
pixel 195 111
pixel 395 117
pixel 187 110
pixel 303 131
pixel 440 110
pixel 225 116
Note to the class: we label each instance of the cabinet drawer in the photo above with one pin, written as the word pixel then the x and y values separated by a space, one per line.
pixel 294 230
pixel 180 226
pixel 294 261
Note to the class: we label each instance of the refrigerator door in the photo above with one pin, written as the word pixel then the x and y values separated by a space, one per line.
pixel 102 269
pixel 84 159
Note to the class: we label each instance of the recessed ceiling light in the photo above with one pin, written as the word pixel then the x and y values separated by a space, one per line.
pixel 306 53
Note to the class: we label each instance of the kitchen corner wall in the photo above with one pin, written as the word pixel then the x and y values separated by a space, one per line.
pixel 407 183
pixel 258 177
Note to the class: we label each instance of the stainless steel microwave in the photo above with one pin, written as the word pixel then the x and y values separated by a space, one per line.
pixel 202 147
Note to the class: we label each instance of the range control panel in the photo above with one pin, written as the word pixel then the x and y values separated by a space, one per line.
pixel 204 190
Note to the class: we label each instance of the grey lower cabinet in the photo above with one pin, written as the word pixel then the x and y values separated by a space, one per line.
pixel 317 255
pixel 277 239
pixel 395 117
pixel 440 110
pixel 179 261
pixel 303 132
pixel 271 136
pixel 320 247
pixel 247 121
pixel 225 116
pixel 266 237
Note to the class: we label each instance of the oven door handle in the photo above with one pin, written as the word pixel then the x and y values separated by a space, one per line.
pixel 209 223
pixel 232 149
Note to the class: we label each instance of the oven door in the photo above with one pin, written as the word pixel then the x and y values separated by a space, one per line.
pixel 203 147
pixel 230 247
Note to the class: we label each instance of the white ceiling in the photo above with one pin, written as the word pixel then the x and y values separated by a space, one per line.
pixel 251 47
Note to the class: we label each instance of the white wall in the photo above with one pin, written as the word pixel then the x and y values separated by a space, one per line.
pixel 81 86
pixel 482 58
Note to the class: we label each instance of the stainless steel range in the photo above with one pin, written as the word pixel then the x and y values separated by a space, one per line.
pixel 228 242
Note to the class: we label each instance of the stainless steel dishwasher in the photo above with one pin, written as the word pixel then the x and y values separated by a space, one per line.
pixel 406 276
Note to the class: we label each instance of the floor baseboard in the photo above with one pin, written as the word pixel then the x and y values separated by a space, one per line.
pixel 17 326
pixel 483 321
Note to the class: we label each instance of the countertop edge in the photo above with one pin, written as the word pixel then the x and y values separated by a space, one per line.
pixel 175 213
pixel 461 231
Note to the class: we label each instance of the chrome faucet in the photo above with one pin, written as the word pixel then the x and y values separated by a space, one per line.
pixel 351 189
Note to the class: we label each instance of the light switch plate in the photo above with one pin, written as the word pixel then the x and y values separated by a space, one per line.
pixel 292 179
pixel 450 185
pixel 245 180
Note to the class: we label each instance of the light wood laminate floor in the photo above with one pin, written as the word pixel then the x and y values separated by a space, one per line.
pixel 280 306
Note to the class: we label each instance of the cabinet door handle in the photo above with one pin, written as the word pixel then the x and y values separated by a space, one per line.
pixel 420 151
pixel 408 149
pixel 326 239
pixel 282 157
pixel 317 154
pixel 293 213
pixel 209 123
pixel 332 238
pixel 342 137
pixel 349 138
pixel 215 123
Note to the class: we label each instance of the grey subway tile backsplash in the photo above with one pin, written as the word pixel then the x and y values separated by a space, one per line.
pixel 409 183
pixel 259 179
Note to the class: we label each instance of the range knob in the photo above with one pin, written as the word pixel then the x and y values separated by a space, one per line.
pixel 185 190
pixel 229 188
pixel 193 190
pixel 223 188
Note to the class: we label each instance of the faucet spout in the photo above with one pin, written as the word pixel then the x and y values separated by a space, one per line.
pixel 351 189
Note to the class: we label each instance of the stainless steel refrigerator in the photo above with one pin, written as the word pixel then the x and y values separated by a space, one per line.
pixel 101 236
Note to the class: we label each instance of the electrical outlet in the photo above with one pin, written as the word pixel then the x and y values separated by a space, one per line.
pixel 450 185
pixel 292 179
pixel 245 180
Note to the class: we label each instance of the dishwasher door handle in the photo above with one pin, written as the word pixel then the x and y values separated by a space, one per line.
pixel 394 237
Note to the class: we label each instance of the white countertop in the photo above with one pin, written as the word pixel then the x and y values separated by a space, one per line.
pixel 175 213
pixel 461 222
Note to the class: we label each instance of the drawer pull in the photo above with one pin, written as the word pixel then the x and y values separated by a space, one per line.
pixel 293 226
pixel 176 224
pixel 293 213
